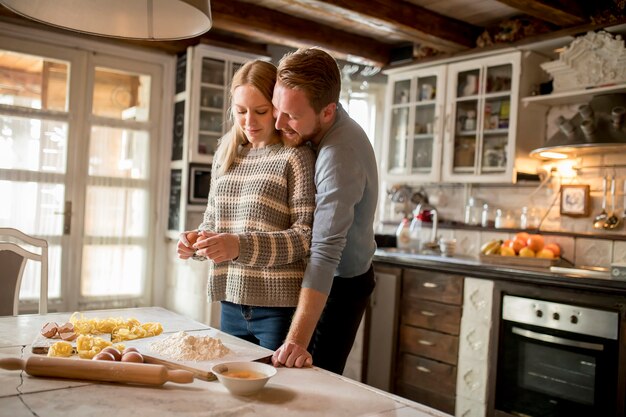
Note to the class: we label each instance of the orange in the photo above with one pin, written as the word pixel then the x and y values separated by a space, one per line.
pixel 523 236
pixel 535 243
pixel 545 253
pixel 517 244
pixel 526 253
pixel 556 249
pixel 507 251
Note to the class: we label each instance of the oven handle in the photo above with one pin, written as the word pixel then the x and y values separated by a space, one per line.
pixel 556 340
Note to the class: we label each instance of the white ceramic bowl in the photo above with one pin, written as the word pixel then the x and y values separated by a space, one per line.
pixel 246 378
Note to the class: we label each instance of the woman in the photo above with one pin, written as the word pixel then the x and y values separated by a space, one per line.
pixel 257 224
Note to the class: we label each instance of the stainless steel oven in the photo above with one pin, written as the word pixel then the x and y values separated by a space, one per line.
pixel 556 360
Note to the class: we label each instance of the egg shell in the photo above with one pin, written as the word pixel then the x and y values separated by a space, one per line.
pixel 116 353
pixel 132 357
pixel 129 349
pixel 104 356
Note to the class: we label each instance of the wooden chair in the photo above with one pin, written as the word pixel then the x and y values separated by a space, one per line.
pixel 13 259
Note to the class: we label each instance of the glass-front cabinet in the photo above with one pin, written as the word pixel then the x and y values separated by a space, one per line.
pixel 461 121
pixel 413 150
pixel 209 97
pixel 488 133
pixel 203 76
pixel 482 106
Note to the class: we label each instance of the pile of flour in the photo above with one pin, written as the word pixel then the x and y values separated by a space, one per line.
pixel 185 347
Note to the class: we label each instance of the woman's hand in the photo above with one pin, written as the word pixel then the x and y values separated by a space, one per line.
pixel 185 247
pixel 218 247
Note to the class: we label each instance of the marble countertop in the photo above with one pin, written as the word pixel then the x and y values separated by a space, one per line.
pixel 470 266
pixel 292 392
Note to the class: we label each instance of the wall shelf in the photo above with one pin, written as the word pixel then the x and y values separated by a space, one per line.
pixel 573 96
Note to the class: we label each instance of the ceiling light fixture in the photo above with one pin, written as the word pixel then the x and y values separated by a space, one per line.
pixel 127 19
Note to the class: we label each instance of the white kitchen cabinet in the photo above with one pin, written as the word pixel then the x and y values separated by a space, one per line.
pixel 461 120
pixel 212 71
pixel 488 135
pixel 412 148
pixel 201 118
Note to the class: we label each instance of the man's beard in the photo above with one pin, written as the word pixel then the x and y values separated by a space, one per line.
pixel 297 139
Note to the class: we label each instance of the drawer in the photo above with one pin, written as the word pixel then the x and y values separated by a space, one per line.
pixel 432 399
pixel 427 374
pixel 444 318
pixel 433 345
pixel 434 286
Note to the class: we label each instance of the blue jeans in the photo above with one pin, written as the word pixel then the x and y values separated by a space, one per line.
pixel 264 326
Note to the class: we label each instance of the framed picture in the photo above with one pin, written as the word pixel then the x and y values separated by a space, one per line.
pixel 575 200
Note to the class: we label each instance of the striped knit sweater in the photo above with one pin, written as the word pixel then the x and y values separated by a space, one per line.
pixel 267 198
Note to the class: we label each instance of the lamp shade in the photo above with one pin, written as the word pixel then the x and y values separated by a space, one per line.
pixel 128 19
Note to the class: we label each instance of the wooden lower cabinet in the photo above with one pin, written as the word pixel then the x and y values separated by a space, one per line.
pixel 428 338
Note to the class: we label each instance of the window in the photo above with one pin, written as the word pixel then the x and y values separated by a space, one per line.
pixel 79 134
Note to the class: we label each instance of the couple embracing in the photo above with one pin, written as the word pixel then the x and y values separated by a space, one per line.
pixel 288 229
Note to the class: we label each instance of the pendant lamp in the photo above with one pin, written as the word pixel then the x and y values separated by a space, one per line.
pixel 128 19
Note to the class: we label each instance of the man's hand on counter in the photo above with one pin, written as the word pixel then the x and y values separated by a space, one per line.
pixel 292 355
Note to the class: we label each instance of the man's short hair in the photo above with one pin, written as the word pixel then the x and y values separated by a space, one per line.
pixel 313 71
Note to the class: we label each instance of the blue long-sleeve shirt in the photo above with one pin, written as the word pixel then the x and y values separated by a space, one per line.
pixel 346 178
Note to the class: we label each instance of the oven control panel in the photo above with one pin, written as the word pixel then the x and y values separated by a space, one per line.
pixel 570 318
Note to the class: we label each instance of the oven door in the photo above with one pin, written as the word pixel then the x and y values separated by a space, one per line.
pixel 549 373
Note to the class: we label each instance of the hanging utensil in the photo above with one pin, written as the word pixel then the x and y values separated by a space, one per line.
pixel 613 221
pixel 600 219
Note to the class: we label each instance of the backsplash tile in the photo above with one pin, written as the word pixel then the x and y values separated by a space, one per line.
pixel 593 252
pixel 467 242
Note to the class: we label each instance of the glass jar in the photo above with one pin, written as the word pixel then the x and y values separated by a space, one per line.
pixel 471 212
pixel 504 220
pixel 523 218
pixel 484 218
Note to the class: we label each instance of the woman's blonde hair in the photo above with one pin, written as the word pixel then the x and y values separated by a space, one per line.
pixel 261 75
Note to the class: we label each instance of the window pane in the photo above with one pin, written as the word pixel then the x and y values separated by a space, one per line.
pixel 32 81
pixel 112 270
pixel 33 144
pixel 116 212
pixel 121 95
pixel 32 207
pixel 119 153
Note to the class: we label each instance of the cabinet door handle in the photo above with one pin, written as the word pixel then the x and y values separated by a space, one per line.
pixel 427 313
pixel 423 369
pixel 425 342
pixel 430 285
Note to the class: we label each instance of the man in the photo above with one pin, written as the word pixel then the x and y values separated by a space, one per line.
pixel 339 278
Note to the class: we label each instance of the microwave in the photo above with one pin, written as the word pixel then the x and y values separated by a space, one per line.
pixel 199 183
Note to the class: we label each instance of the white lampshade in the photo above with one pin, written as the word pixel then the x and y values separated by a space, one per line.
pixel 129 19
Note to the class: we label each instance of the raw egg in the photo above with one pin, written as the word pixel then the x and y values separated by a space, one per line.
pixel 129 349
pixel 132 357
pixel 116 353
pixel 104 356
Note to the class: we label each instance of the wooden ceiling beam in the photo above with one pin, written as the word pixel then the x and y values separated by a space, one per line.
pixel 562 13
pixel 280 28
pixel 416 23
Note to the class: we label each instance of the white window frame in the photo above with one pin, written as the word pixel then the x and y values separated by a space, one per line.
pixel 78 51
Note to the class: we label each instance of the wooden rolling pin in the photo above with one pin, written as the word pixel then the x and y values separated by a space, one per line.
pixel 108 371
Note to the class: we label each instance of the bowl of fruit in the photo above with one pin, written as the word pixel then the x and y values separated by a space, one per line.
pixel 523 249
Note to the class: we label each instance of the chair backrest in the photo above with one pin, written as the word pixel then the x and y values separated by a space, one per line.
pixel 13 258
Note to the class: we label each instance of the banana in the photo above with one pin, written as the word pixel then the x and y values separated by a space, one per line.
pixel 490 248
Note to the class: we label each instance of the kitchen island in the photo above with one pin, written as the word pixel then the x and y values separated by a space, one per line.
pixel 291 393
